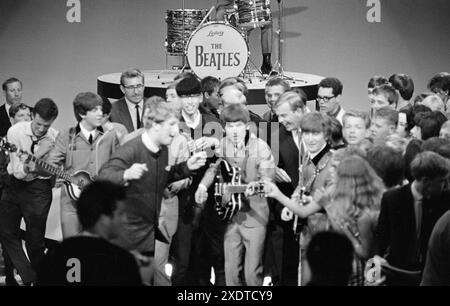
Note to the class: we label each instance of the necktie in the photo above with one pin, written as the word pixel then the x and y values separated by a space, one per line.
pixel 419 216
pixel 33 144
pixel 138 117
pixel 91 140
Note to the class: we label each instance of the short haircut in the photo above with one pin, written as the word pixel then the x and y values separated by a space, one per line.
pixel 330 256
pixel 388 114
pixel 388 91
pixel 438 145
pixel 336 130
pixel 15 108
pixel 9 81
pixel 237 82
pixel 333 83
pixel 377 80
pixel 357 114
pixel 277 81
pixel 430 123
pixel 404 84
pixel 440 81
pixel 208 84
pixel 235 113
pixel 106 105
pixel 84 102
pixel 296 100
pixel 316 122
pixel 388 164
pixel 46 108
pixel 97 199
pixel 429 165
pixel 131 73
pixel 157 112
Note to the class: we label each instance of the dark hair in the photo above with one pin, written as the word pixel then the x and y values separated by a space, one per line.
pixel 330 257
pixel 388 164
pixel 209 83
pixel 97 199
pixel 409 112
pixel 333 83
pixel 234 113
pixel 438 145
pixel 420 97
pixel 106 105
pixel 430 165
pixel 277 81
pixel 388 91
pixel 440 81
pixel 46 109
pixel 9 81
pixel 404 84
pixel 316 122
pixel 15 108
pixel 84 102
pixel 430 123
pixel 377 80
pixel 336 131
pixel 413 148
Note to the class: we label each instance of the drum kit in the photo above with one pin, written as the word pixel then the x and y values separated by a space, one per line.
pixel 216 48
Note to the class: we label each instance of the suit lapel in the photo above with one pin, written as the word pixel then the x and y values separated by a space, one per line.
pixel 126 116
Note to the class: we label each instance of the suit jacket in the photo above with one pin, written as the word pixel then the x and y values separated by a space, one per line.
pixel 5 123
pixel 396 228
pixel 121 114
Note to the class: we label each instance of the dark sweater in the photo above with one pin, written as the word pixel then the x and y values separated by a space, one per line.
pixel 144 196
pixel 88 261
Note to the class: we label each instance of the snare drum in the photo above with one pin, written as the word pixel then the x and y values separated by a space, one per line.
pixel 176 27
pixel 217 49
pixel 254 13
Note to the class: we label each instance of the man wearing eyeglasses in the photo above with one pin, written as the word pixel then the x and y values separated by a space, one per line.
pixel 329 98
pixel 128 110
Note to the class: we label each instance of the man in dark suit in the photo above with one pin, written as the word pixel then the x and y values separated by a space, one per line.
pixel 275 87
pixel 409 213
pixel 128 110
pixel 282 251
pixel 12 89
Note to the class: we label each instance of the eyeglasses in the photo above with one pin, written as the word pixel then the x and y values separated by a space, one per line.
pixel 139 87
pixel 325 99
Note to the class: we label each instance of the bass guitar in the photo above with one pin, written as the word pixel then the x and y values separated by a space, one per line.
pixel 73 182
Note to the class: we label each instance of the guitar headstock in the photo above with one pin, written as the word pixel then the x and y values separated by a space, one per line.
pixel 7 146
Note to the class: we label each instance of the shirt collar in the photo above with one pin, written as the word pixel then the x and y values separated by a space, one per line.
pixel 415 193
pixel 149 144
pixel 132 105
pixel 192 123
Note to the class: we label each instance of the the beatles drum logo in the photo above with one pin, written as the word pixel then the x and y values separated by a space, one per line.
pixel 217 50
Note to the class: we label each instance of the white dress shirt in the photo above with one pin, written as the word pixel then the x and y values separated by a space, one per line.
pixel 132 110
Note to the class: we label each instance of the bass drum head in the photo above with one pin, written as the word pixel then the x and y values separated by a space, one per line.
pixel 218 50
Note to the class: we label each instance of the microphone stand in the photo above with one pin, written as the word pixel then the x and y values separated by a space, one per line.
pixel 278 67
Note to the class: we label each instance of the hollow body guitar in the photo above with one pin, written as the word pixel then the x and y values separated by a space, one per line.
pixel 73 182
pixel 229 191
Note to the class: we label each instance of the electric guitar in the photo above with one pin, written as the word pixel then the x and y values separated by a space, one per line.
pixel 229 191
pixel 73 182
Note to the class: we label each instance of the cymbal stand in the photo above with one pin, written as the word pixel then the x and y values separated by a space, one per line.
pixel 278 66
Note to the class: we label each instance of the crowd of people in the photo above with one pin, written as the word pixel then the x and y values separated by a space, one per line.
pixel 323 193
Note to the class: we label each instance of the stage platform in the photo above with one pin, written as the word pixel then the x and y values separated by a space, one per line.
pixel 156 82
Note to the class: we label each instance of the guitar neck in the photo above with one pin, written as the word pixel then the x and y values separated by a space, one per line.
pixel 242 188
pixel 58 172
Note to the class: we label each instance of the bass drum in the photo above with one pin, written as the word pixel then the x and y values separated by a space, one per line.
pixel 217 49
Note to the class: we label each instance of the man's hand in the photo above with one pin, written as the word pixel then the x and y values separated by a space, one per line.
pixel 201 195
pixel 281 176
pixel 45 145
pixel 271 190
pixel 196 161
pixel 135 172
pixel 286 214
pixel 206 142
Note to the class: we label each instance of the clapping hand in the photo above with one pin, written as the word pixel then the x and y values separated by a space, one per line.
pixel 196 161
pixel 135 172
